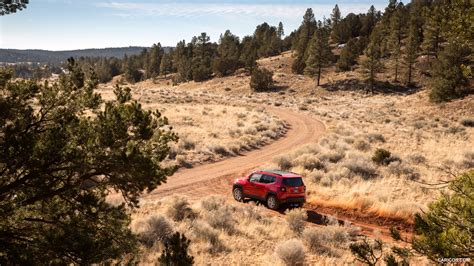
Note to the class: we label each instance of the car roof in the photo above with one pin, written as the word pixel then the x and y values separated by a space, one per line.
pixel 281 173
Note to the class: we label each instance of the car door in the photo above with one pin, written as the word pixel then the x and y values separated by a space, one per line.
pixel 251 189
pixel 262 186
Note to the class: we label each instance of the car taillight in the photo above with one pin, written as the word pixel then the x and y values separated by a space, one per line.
pixel 283 189
pixel 304 188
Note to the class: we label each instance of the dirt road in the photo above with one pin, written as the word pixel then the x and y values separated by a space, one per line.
pixel 215 178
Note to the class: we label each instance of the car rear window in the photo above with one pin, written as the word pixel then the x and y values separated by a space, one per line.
pixel 293 182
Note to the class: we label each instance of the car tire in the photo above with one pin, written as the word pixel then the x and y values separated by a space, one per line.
pixel 272 202
pixel 238 194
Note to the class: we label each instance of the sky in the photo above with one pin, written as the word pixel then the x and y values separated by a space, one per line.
pixel 81 24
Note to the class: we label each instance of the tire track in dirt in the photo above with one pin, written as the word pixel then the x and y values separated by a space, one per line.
pixel 217 178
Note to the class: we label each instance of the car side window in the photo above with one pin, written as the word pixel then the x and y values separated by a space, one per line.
pixel 267 179
pixel 255 177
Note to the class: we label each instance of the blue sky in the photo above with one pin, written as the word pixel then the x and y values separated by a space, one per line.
pixel 80 24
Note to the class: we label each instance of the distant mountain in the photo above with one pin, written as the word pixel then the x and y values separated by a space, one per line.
pixel 56 57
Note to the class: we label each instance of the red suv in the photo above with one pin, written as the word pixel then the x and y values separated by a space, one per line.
pixel 273 187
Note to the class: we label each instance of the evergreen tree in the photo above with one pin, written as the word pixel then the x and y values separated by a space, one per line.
pixel 175 252
pixel 372 64
pixel 411 53
pixel 301 43
pixel 203 54
pixel 348 56
pixel 267 40
pixel 58 165
pixel 131 70
pixel 154 61
pixel 229 54
pixel 183 55
pixel 280 30
pixel 446 230
pixel 368 22
pixel 249 52
pixel 166 64
pixel 432 30
pixel 396 36
pixel 319 54
pixel 451 74
pixel 335 16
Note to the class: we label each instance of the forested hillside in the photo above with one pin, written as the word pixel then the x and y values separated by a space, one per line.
pixel 56 57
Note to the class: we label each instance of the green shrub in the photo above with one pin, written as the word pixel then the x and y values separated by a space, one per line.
pixel 261 79
pixel 382 157
pixel 176 251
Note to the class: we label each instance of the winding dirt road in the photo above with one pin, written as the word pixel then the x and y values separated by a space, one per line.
pixel 214 178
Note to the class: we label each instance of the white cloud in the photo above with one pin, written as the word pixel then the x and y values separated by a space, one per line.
pixel 283 11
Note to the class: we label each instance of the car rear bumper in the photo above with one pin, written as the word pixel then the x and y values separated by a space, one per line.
pixel 293 200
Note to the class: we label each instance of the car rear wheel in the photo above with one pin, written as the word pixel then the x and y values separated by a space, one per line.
pixel 272 202
pixel 238 195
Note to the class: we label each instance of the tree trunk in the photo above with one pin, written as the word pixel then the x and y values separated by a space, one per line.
pixel 396 69
pixel 319 74
pixel 409 75
pixel 372 78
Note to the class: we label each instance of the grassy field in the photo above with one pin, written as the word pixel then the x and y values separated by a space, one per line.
pixel 427 143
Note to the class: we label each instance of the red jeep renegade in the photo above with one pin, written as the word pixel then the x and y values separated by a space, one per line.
pixel 273 187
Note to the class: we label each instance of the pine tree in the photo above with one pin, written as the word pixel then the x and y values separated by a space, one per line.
pixel 183 55
pixel 411 53
pixel 229 54
pixel 335 16
pixel 432 30
pixel 450 74
pixel 372 64
pixel 249 52
pixel 349 55
pixel 369 20
pixel 166 65
pixel 445 230
pixel 203 54
pixel 395 37
pixel 280 30
pixel 319 53
pixel 154 60
pixel 304 35
pixel 61 164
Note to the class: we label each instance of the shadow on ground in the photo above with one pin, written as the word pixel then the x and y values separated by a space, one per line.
pixel 380 87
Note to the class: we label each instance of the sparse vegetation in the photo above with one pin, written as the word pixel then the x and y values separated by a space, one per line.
pixel 296 219
pixel 179 209
pixel 291 252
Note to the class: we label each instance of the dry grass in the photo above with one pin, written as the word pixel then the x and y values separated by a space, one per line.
pixel 224 233
pixel 429 140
